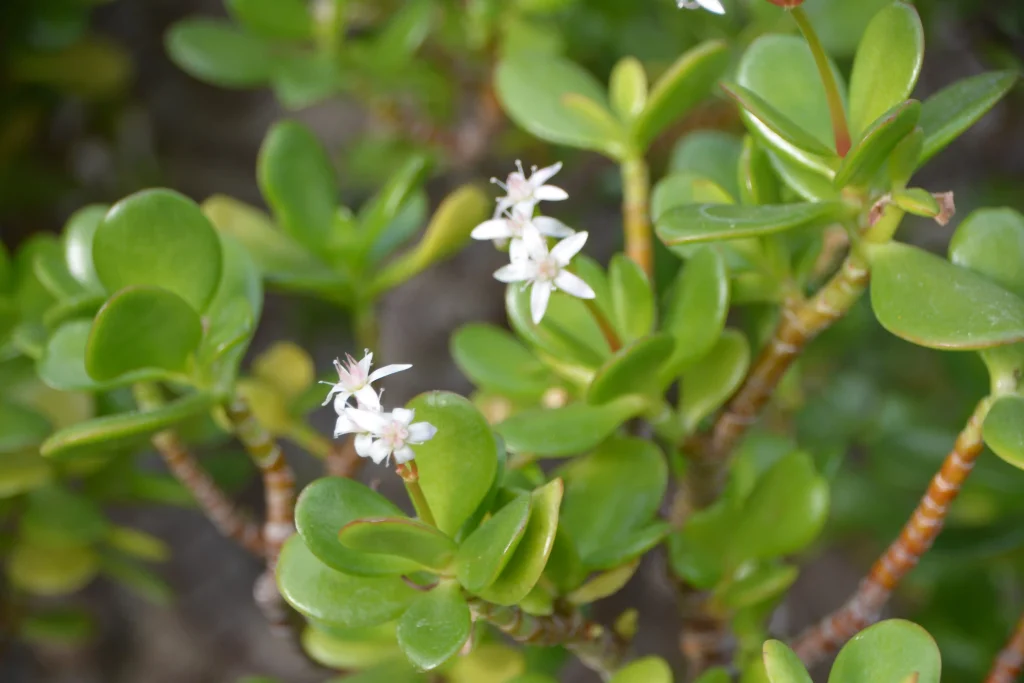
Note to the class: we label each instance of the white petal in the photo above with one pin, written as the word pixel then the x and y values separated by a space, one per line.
pixel 539 300
pixel 421 431
pixel 542 175
pixel 341 401
pixel 404 455
pixel 552 227
pixel 571 284
pixel 516 272
pixel 344 426
pixel 380 373
pixel 366 363
pixel 495 229
pixel 367 398
pixel 550 193
pixel 517 251
pixel 534 242
pixel 403 415
pixel 335 388
pixel 569 247
pixel 363 444
pixel 712 6
pixel 367 420
pixel 379 452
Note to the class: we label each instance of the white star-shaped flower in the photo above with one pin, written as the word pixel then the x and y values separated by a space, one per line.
pixel 545 271
pixel 714 6
pixel 525 193
pixel 355 378
pixel 382 435
pixel 511 226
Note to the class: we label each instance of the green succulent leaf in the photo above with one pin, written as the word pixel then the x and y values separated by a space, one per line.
pixel 949 112
pixel 286 19
pixel 633 370
pixel 486 551
pixel 399 537
pixel 686 83
pixel 338 600
pixel 644 670
pixel 495 360
pixel 891 650
pixel 21 472
pixel 141 328
pixel 568 334
pixel 603 584
pixel 697 306
pixel 350 648
pixel 62 363
pixel 764 583
pixel 218 52
pixel 782 664
pixel 712 222
pixel 566 431
pixel 708 383
pixel 870 153
pixel 21 428
pixel 710 154
pixel 1004 429
pixel 129 429
pixel 458 465
pixel 612 493
pixel 632 297
pixel 528 560
pixel 49 571
pixel 887 64
pixel 632 546
pixel 159 238
pixel 928 301
pixel 628 88
pixel 298 182
pixel 775 121
pixel 435 627
pixel 685 188
pixel 57 517
pixel 991 242
pixel 329 504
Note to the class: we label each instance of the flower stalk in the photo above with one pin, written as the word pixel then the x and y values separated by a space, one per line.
pixel 904 553
pixel 840 128
pixel 411 477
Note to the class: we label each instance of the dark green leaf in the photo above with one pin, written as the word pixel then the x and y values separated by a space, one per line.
pixel 435 627
pixel 21 428
pixel 162 239
pixel 632 297
pixel 298 182
pixel 711 222
pixel 686 83
pixel 954 109
pixel 567 431
pixel 568 334
pixel 219 53
pixel 633 545
pixel 327 505
pixel 338 600
pixel 457 466
pixel 62 627
pixel 399 537
pixel 870 152
pixel 137 579
pixel 57 517
pixel 634 369
pixel 708 384
pixel 486 551
pixel 887 64
pixel 697 306
pixel 493 359
pixel 929 301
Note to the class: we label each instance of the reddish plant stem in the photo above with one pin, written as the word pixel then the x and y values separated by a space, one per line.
pixel 214 503
pixel 904 553
pixel 1008 663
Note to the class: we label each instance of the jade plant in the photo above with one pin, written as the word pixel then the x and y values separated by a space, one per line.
pixel 634 412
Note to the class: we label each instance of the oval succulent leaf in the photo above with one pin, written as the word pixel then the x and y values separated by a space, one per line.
pixel 890 650
pixel 782 664
pixel 991 242
pixel 487 550
pixel 870 153
pixel 1004 429
pixel 567 431
pixel 435 627
pixel 400 537
pixel 711 222
pixel 776 121
pixel 954 109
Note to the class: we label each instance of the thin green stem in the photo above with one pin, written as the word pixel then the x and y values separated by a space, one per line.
pixel 835 100
pixel 636 190
pixel 411 476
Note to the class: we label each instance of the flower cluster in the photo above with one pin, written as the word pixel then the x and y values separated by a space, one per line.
pixel 378 434
pixel 710 5
pixel 530 260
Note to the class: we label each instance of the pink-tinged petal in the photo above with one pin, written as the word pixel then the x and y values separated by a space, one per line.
pixel 367 399
pixel 379 452
pixel 539 297
pixel 542 175
pixel 366 363
pixel 403 415
pixel 550 193
pixel 552 227
pixel 571 284
pixel 344 426
pixel 367 420
pixel 534 242
pixel 421 431
pixel 341 401
pixel 363 442
pixel 569 247
pixel 516 272
pixel 494 229
pixel 517 251
pixel 380 373
pixel 404 455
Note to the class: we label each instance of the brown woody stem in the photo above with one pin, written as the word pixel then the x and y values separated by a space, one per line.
pixel 636 189
pixel 1008 663
pixel 278 480
pixel 215 503
pixel 599 648
pixel 903 554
